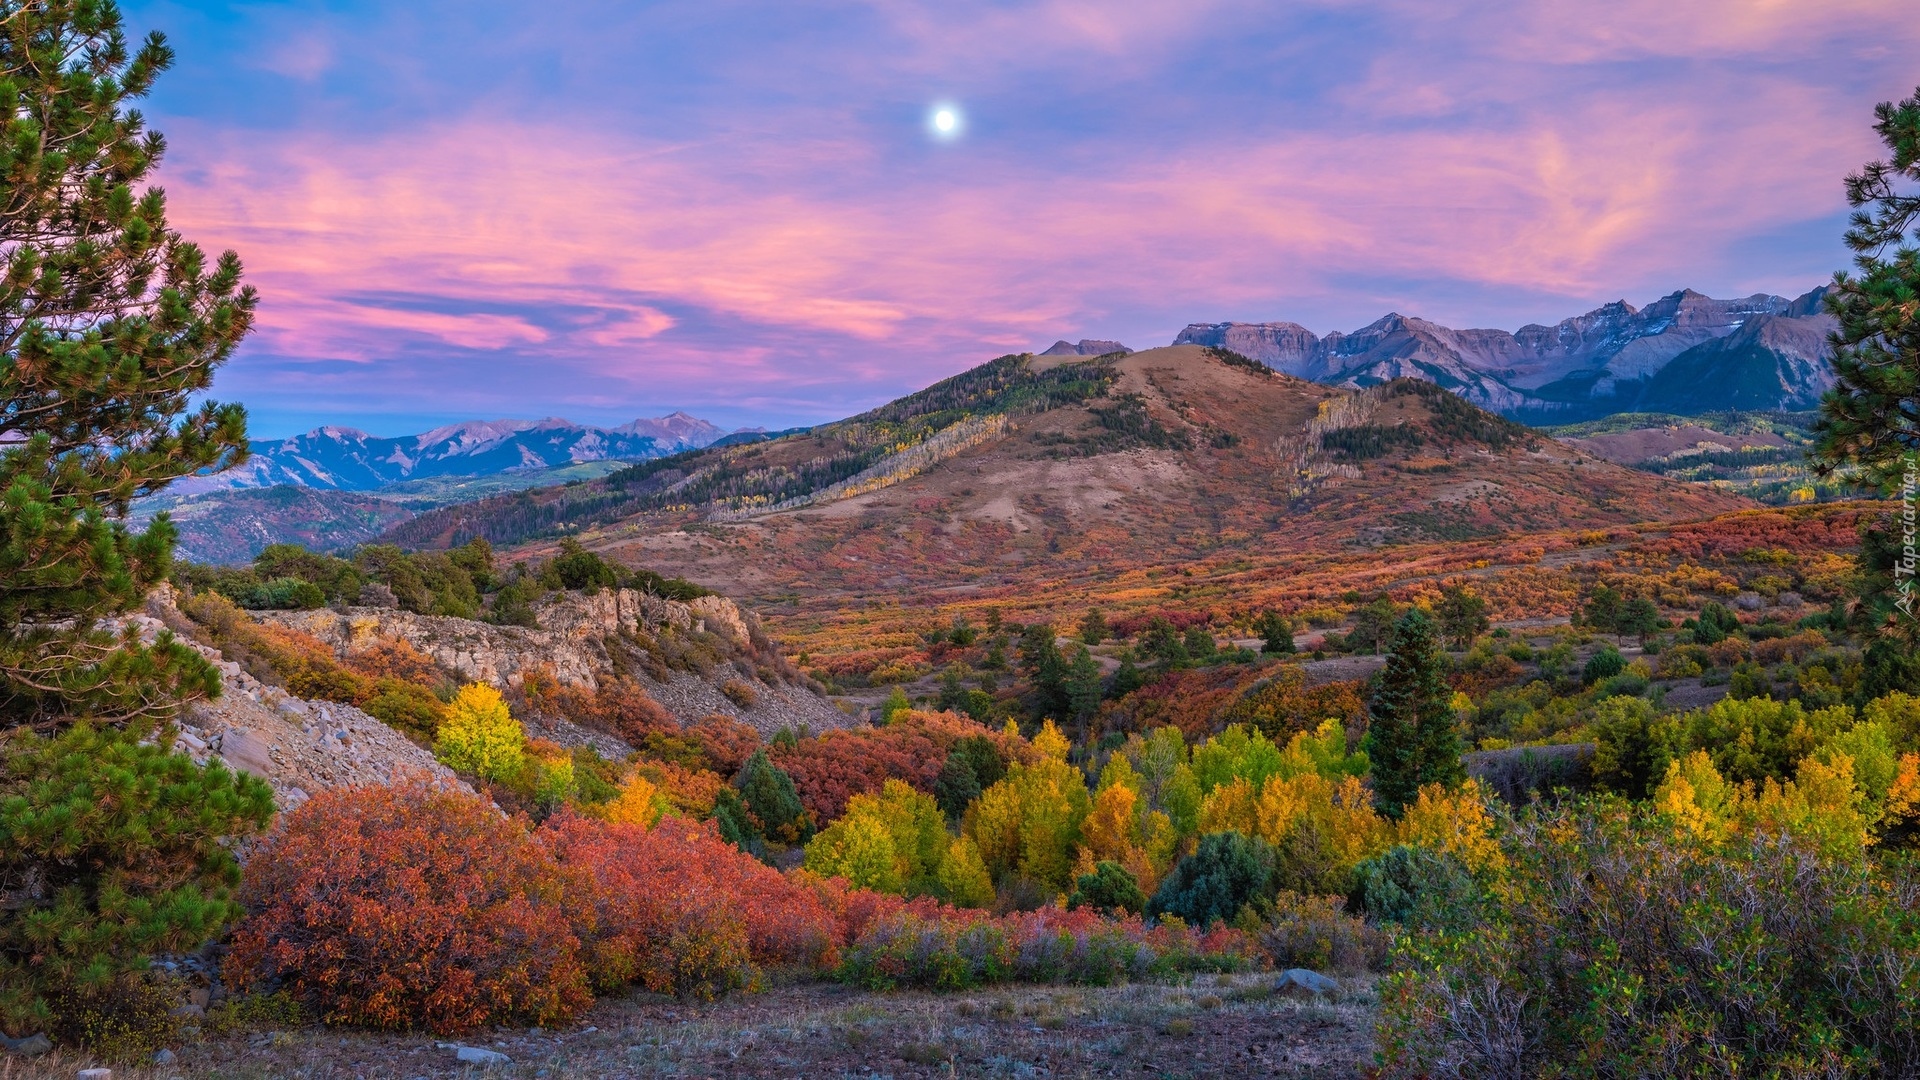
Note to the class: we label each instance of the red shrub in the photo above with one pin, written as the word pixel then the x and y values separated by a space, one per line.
pixel 727 742
pixel 833 767
pixel 397 907
pixel 678 910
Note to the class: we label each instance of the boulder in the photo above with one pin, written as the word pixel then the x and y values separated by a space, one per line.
pixel 247 752
pixel 29 1046
pixel 1304 981
pixel 721 615
pixel 481 1056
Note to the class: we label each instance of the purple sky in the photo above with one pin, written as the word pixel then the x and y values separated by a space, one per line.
pixel 602 210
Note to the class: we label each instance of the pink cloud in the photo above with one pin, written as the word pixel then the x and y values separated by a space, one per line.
pixel 1461 156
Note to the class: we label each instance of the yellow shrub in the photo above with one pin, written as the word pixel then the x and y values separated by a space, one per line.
pixel 1822 805
pixel 1455 822
pixel 963 878
pixel 639 803
pixel 480 736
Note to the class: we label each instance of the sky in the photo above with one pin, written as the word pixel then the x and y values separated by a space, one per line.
pixel 460 209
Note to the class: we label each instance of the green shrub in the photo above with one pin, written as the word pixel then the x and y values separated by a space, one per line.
pixel 1225 873
pixel 1419 888
pixel 1625 684
pixel 1619 946
pixel 114 851
pixel 1604 664
pixel 1110 889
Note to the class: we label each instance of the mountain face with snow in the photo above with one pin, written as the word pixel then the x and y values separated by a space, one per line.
pixel 343 459
pixel 1684 353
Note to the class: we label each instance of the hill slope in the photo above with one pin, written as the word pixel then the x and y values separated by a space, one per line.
pixel 1031 469
pixel 1757 352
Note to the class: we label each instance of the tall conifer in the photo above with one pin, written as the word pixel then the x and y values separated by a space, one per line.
pixel 110 846
pixel 1410 736
pixel 1870 421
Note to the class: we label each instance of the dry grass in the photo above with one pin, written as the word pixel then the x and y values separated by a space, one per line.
pixel 1225 1026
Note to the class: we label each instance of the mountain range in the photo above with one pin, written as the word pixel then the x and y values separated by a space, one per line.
pixel 343 459
pixel 1685 353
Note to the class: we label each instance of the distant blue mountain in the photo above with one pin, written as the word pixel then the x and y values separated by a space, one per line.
pixel 343 459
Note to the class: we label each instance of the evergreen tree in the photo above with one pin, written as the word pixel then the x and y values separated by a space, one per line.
pixel 1869 422
pixel 1410 736
pixel 1602 611
pixel 1126 679
pixel 1463 615
pixel 1199 644
pixel 110 323
pixel 769 795
pixel 1276 633
pixel 1639 617
pixel 1040 658
pixel 1083 686
pixel 1093 627
pixel 114 850
pixel 1162 642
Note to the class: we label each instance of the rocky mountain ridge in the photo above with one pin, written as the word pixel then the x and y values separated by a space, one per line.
pixel 1756 352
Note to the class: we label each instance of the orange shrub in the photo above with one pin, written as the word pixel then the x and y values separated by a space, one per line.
pixel 619 706
pixel 690 792
pixel 397 659
pixel 1795 648
pixel 401 907
pixel 1285 705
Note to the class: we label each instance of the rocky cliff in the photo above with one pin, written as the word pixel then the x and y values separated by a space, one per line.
pixel 1604 361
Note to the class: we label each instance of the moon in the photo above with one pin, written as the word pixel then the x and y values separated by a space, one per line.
pixel 945 121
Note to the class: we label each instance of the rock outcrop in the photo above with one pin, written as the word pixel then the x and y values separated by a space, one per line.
pixel 582 639
pixel 299 747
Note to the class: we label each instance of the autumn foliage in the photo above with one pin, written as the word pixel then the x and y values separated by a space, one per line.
pixel 676 910
pixel 397 907
pixel 837 765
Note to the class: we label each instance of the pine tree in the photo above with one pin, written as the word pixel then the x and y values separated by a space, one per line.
pixel 1040 657
pixel 1093 627
pixel 1410 736
pixel 110 323
pixel 1870 421
pixel 1602 611
pixel 1276 633
pixel 1083 686
pixel 769 795
pixel 1463 615
pixel 114 850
